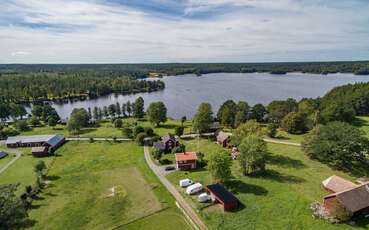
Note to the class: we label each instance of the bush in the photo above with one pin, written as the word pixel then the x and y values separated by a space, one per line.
pixel 118 123
pixel 21 125
pixel 179 149
pixel 127 132
pixel 272 130
pixel 34 121
pixel 149 131
pixel 138 129
pixel 179 131
pixel 7 132
pixel 140 138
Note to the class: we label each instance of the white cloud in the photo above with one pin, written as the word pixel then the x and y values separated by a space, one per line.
pixel 74 31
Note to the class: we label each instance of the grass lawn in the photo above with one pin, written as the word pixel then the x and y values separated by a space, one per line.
pixel 279 199
pixel 79 196
pixel 22 170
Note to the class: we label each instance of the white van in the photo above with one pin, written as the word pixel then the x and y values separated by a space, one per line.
pixel 192 189
pixel 203 197
pixel 185 182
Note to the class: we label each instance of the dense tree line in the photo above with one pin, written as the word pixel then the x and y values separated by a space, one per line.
pixel 143 70
pixel 32 86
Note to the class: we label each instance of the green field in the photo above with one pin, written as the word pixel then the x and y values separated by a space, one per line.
pixel 79 194
pixel 279 199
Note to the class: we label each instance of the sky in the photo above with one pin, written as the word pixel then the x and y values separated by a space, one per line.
pixel 158 31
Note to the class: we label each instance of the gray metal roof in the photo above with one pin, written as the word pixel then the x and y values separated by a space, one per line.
pixel 50 139
pixel 3 154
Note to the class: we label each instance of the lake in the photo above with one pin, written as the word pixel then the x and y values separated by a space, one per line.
pixel 184 93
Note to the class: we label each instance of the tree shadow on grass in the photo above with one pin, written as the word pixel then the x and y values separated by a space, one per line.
pixel 52 177
pixel 360 222
pixel 238 186
pixel 360 122
pixel 28 223
pixel 167 126
pixel 277 176
pixel 285 161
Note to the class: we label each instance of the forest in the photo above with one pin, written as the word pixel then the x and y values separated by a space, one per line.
pixel 43 86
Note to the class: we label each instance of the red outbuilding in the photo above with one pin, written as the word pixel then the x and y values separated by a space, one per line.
pixel 220 194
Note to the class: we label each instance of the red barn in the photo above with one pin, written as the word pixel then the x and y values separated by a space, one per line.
pixel 335 184
pixel 220 194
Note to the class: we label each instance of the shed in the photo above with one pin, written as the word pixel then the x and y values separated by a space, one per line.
pixel 223 196
pixel 170 142
pixel 355 200
pixel 3 154
pixel 223 138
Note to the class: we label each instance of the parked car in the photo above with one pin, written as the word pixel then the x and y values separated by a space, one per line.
pixel 195 188
pixel 185 183
pixel 170 168
pixel 203 197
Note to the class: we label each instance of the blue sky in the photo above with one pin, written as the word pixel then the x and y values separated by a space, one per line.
pixel 132 31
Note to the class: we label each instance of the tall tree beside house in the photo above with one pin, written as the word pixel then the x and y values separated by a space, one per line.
pixel 251 127
pixel 112 110
pixel 258 112
pixel 13 213
pixel 37 111
pixel 277 110
pixel 129 108
pixel 219 166
pixel 95 114
pixel 124 109
pixel 17 110
pixel 119 109
pixel 78 119
pixel 138 108
pixel 294 123
pixel 338 144
pixel 183 120
pixel 4 111
pixel 226 113
pixel 157 113
pixel 241 116
pixel 52 122
pixel 89 113
pixel 338 111
pixel 253 154
pixel 105 112
pixel 203 118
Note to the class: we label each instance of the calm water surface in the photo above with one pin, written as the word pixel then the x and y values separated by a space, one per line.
pixel 184 93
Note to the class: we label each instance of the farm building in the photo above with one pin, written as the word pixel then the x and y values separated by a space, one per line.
pixel 186 161
pixel 3 154
pixel 45 143
pixel 167 143
pixel 220 194
pixel 355 200
pixel 223 138
pixel 335 184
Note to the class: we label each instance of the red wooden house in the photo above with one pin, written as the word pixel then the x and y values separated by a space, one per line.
pixel 186 161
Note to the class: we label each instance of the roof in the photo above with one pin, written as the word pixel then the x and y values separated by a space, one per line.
pixel 222 193
pixel 3 154
pixel 39 149
pixel 337 184
pixel 50 139
pixel 159 145
pixel 168 138
pixel 187 156
pixel 354 199
pixel 222 136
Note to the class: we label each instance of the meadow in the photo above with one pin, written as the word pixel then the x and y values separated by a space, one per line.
pixel 276 199
pixel 98 185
